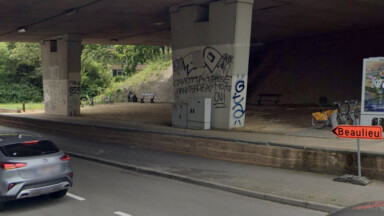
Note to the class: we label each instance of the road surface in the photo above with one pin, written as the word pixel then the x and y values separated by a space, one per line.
pixel 102 190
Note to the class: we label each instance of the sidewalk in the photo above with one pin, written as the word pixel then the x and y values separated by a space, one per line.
pixel 300 186
pixel 308 138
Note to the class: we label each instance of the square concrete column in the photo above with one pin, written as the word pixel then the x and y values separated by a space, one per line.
pixel 210 57
pixel 61 63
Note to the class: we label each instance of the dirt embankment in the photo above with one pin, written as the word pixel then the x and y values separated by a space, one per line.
pixel 160 83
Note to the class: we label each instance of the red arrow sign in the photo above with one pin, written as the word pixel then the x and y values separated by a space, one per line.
pixel 358 132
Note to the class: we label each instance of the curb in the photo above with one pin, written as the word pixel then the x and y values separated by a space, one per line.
pixel 6 110
pixel 254 194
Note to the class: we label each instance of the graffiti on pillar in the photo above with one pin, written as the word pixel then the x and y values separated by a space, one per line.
pixel 210 58
pixel 204 71
pixel 219 100
pixel 185 64
pixel 74 89
pixel 239 101
pixel 214 60
pixel 74 102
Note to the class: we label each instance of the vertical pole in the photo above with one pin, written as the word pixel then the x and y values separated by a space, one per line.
pixel 23 106
pixel 358 158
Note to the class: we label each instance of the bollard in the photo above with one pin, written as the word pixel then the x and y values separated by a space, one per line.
pixel 23 106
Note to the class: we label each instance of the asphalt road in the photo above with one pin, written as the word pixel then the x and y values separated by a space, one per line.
pixel 102 190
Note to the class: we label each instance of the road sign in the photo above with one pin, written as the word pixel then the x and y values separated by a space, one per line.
pixel 358 132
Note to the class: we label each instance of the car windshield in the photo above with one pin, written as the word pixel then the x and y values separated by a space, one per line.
pixel 28 149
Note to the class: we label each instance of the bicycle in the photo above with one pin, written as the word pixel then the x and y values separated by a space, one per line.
pixel 343 116
pixel 322 119
pixel 347 114
pixel 354 111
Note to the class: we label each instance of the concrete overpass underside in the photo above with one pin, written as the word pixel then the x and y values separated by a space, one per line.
pixel 148 22
pixel 303 49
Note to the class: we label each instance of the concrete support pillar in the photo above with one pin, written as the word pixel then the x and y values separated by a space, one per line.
pixel 210 57
pixel 61 57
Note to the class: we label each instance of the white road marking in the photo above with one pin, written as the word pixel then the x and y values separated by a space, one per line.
pixel 121 213
pixel 75 197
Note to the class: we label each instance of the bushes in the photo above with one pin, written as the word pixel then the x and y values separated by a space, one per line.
pixel 94 78
pixel 17 93
pixel 135 55
pixel 20 72
pixel 119 79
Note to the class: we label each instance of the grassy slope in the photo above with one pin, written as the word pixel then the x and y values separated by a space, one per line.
pixel 153 69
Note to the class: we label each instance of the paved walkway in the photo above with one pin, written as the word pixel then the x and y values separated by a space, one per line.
pixel 306 138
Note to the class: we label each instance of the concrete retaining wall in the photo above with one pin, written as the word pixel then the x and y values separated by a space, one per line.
pixel 288 157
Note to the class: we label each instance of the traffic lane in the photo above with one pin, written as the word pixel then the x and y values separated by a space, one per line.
pixel 113 191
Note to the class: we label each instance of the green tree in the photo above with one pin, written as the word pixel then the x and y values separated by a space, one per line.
pixel 20 69
pixel 95 64
pixel 21 73
pixel 26 57
pixel 131 56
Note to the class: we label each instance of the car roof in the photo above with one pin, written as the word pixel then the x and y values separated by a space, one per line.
pixel 12 138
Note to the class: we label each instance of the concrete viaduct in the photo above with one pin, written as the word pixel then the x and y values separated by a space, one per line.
pixel 303 49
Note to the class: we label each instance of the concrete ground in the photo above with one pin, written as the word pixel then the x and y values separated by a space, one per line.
pixel 264 118
pixel 157 117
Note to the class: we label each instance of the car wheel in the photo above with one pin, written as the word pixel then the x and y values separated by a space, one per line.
pixel 58 194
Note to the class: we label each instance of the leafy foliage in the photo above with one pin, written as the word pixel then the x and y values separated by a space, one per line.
pixel 21 73
pixel 131 56
pixel 95 76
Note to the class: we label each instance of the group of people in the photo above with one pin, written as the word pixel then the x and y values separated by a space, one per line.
pixel 132 97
